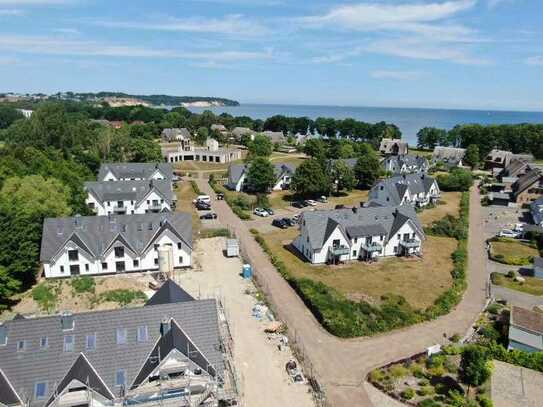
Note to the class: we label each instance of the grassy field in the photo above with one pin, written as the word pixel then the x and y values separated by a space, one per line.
pixel 294 158
pixel 422 153
pixel 353 198
pixel 533 286
pixel 420 281
pixel 185 196
pixel 511 251
pixel 450 206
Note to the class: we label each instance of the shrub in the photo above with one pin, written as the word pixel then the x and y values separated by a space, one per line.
pixel 376 376
pixel 398 371
pixel 417 370
pixel 511 274
pixel 484 401
pixel 424 382
pixel 83 284
pixel 195 188
pixel 429 403
pixel 450 366
pixel 45 296
pixel 438 371
pixel 456 338
pixel 474 365
pixel 457 180
pixel 494 308
pixel 426 391
pixel 408 394
pixel 123 296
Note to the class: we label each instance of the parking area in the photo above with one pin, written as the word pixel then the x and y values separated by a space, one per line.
pixel 496 218
pixel 514 386
pixel 260 364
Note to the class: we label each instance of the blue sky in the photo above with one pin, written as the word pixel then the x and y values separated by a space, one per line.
pixel 414 53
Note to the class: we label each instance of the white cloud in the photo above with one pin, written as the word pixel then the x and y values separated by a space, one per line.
pixel 234 24
pixel 535 60
pixel 396 75
pixel 60 46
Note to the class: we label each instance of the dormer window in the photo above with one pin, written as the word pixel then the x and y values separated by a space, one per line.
pixel 73 255
pixel 119 251
pixel 121 336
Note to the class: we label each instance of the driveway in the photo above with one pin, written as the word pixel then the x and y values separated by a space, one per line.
pixel 341 365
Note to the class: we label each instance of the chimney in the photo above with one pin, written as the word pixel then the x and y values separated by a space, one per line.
pixel 165 326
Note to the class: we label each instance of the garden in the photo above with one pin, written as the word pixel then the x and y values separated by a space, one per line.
pixel 525 284
pixel 512 251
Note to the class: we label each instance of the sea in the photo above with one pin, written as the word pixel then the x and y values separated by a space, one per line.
pixel 409 120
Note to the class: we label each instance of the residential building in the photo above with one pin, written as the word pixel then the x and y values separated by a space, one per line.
pixel 211 153
pixel 26 113
pixel 501 158
pixel 237 176
pixel 219 128
pixel 536 210
pixel 390 146
pixel 511 173
pixel 450 157
pixel 135 172
pixel 130 197
pixel 175 134
pixel 276 137
pixel 168 351
pixel 528 187
pixel 339 235
pixel 525 330
pixel 407 189
pixel 93 245
pixel 405 164
pixel 239 132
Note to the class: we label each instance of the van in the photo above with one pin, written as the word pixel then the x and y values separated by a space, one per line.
pixel 203 198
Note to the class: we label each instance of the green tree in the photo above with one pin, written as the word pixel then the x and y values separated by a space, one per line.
pixel 367 170
pixel 342 176
pixel 8 115
pixel 472 157
pixel 143 151
pixel 316 148
pixel 474 365
pixel 310 179
pixel 260 176
pixel 201 136
pixel 261 146
pixel 458 179
pixel 429 137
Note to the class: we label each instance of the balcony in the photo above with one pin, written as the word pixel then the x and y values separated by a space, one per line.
pixel 372 247
pixel 120 210
pixel 410 243
pixel 155 207
pixel 340 250
pixel 73 398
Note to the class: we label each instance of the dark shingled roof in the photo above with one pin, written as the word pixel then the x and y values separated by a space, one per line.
pixel 526 319
pixel 169 293
pixel 526 181
pixel 135 170
pixel 130 190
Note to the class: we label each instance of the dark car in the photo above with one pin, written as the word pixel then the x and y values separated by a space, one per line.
pixel 298 204
pixel 340 206
pixel 220 196
pixel 280 223
pixel 202 206
pixel 290 221
pixel 270 211
pixel 210 215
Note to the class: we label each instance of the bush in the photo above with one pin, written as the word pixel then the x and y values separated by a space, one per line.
pixel 123 296
pixel 474 365
pixel 426 391
pixel 458 179
pixel 45 296
pixel 195 188
pixel 408 394
pixel 494 308
pixel 429 403
pixel 398 371
pixel 376 376
pixel 511 274
pixel 456 338
pixel 484 401
pixel 83 284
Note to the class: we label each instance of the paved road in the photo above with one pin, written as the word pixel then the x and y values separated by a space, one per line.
pixel 517 298
pixel 342 364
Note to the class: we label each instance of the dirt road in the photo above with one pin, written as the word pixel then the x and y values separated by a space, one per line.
pixel 342 365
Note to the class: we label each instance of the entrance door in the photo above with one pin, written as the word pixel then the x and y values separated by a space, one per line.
pixel 119 266
pixel 74 269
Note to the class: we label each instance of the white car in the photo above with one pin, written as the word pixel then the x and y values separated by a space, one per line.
pixel 261 212
pixel 202 198
pixel 509 233
pixel 311 202
pixel 519 227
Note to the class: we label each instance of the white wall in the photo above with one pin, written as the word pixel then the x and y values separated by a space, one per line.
pixel 132 207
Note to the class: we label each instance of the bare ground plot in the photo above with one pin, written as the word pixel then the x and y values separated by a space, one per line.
pixel 260 365
pixel 420 281
pixel 449 205
pixel 514 386
pixel 66 299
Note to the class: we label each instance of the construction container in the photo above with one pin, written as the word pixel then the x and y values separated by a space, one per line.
pixel 247 271
pixel 232 248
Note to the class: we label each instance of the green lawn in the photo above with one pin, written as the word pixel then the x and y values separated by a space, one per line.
pixel 449 205
pixel 533 286
pixel 511 251
pixel 420 281
pixel 421 152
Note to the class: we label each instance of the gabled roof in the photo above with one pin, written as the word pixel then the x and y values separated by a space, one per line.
pixel 448 155
pixel 8 396
pixel 274 136
pixel 240 131
pixel 391 191
pixel 236 171
pixel 97 232
pixel 526 319
pixel 367 221
pixel 174 133
pixel 135 170
pixel 412 162
pixel 136 191
pixel 526 181
pixel 194 329
pixel 515 167
pixel 349 162
pixel 169 293
pixel 393 146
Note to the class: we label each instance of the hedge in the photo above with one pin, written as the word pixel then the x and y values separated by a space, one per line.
pixel 195 188
pixel 346 318
pixel 234 204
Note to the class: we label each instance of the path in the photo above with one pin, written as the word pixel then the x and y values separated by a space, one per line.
pixel 342 364
pixel 517 298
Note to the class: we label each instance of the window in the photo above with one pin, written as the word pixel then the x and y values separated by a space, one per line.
pixel 69 343
pixel 21 346
pixel 104 266
pixel 62 269
pixel 180 259
pixel 354 253
pixel 44 342
pixel 90 342
pixel 395 249
pixel 355 239
pixel 136 263
pixel 120 379
pixel 179 245
pixel 156 261
pixel 87 267
pixel 119 251
pixel 143 334
pixel 40 390
pixel 156 246
pixel 121 336
pixel 73 255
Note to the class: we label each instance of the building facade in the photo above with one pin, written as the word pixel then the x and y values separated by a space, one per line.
pixel 406 164
pixel 525 330
pixel 135 172
pixel 417 190
pixel 116 244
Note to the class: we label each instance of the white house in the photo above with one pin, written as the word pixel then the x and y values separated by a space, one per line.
pixel 237 175
pixel 405 164
pixel 407 189
pixel 91 245
pixel 130 197
pixel 339 235
pixel 450 157
pixel 135 171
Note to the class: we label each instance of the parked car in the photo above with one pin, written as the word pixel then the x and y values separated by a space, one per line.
pixel 298 204
pixel 202 206
pixel 310 202
pixel 290 221
pixel 220 196
pixel 296 218
pixel 509 233
pixel 202 198
pixel 340 206
pixel 261 212
pixel 322 199
pixel 270 211
pixel 209 215
pixel 519 227
pixel 280 223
